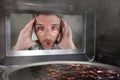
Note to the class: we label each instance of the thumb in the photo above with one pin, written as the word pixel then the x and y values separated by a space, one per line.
pixel 34 43
pixel 60 46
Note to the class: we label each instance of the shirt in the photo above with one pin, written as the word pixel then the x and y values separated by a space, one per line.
pixel 39 47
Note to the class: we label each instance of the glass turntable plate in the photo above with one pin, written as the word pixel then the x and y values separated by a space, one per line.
pixel 64 71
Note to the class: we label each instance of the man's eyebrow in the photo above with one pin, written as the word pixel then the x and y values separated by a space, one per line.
pixel 52 24
pixel 39 24
pixel 55 24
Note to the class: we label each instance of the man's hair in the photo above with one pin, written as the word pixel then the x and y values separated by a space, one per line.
pixel 60 16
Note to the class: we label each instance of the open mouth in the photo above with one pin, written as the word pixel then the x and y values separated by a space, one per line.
pixel 47 45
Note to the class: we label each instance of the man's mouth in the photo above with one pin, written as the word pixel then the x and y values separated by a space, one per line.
pixel 47 44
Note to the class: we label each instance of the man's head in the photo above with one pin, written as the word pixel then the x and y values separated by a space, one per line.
pixel 47 29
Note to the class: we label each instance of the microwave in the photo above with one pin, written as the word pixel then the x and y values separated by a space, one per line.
pixel 80 21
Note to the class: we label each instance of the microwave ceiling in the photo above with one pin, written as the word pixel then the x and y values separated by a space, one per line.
pixel 57 6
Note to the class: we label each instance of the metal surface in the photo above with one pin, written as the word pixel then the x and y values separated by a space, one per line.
pixel 108 42
pixel 9 61
pixel 108 31
pixel 2 31
pixel 89 24
pixel 11 69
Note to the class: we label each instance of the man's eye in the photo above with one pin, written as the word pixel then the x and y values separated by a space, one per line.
pixel 54 28
pixel 41 28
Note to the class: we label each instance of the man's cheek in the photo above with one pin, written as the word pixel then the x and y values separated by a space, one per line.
pixel 40 36
pixel 41 33
pixel 55 35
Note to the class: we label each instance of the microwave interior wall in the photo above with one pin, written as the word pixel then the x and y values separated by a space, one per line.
pixel 107 33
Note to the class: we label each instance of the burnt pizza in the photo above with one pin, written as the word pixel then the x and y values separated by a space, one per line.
pixel 73 72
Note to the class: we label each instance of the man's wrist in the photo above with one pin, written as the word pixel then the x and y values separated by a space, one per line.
pixel 15 48
pixel 73 45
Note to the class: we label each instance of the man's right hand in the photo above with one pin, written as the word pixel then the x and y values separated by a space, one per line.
pixel 24 40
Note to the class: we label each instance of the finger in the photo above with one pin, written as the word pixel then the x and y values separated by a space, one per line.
pixel 33 43
pixel 29 26
pixel 60 46
pixel 67 27
pixel 64 27
pixel 69 32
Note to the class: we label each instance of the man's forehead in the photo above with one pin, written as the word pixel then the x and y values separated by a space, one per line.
pixel 47 17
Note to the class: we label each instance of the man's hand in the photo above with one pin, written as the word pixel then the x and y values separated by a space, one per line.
pixel 24 40
pixel 66 38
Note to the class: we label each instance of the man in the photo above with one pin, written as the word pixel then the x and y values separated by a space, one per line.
pixel 51 30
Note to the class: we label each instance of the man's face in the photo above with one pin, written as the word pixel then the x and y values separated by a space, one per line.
pixel 47 29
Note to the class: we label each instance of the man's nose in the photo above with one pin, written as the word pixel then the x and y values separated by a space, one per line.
pixel 48 34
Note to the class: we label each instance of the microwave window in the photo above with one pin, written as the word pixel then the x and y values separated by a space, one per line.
pixel 46 31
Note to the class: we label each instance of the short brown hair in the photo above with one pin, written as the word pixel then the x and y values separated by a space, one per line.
pixel 60 16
